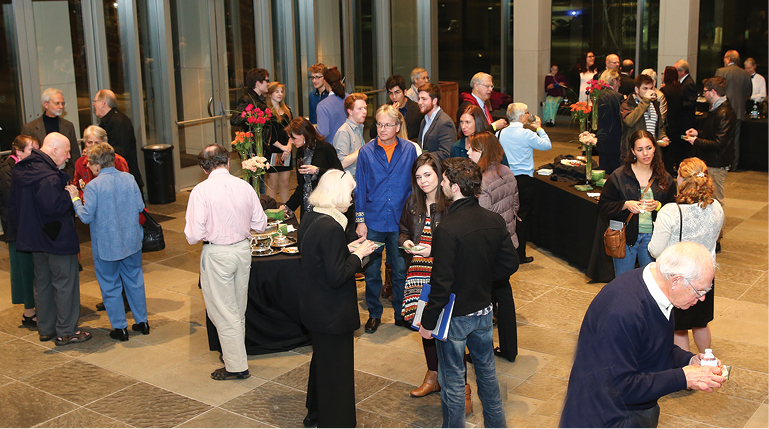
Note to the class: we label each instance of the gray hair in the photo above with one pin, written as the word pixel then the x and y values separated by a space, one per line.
pixel 651 73
pixel 686 259
pixel 750 60
pixel 48 93
pixel 102 154
pixel 683 65
pixel 334 190
pixel 107 96
pixel 515 111
pixel 478 78
pixel 96 131
pixel 610 76
pixel 415 73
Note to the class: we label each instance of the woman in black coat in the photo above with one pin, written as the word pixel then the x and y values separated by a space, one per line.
pixel 314 156
pixel 329 304
pixel 678 149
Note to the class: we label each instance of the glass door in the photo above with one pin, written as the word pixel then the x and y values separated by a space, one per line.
pixel 199 64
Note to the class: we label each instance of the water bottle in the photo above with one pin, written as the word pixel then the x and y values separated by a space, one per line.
pixel 709 359
pixel 754 112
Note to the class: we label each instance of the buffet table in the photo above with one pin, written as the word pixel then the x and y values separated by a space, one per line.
pixel 565 222
pixel 272 315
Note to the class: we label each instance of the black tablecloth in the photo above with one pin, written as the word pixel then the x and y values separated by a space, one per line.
pixel 565 222
pixel 754 145
pixel 272 315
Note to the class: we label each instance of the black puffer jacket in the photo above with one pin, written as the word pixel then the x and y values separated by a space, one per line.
pixel 715 143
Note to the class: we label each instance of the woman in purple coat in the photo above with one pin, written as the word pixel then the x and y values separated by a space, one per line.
pixel 554 86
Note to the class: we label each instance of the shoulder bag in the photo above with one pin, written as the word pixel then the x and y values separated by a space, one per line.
pixel 153 235
pixel 615 241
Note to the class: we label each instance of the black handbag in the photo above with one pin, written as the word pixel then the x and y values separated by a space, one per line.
pixel 153 235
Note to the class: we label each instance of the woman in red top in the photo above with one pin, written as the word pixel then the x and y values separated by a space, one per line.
pixel 92 135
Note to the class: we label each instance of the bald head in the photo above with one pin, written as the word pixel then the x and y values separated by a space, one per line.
pixel 56 146
pixel 103 102
pixel 612 62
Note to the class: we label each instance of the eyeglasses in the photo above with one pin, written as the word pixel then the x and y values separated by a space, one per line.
pixel 490 86
pixel 699 293
pixel 312 77
pixel 386 126
pixel 58 103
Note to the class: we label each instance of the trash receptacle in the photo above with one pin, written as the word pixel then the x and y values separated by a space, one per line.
pixel 159 166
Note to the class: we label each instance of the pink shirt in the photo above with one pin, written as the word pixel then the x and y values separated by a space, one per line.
pixel 223 209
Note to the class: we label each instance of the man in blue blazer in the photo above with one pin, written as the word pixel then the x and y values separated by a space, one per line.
pixel 437 132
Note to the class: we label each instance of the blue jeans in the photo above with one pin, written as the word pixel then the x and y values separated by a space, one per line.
pixel 476 333
pixel 640 250
pixel 113 277
pixel 374 274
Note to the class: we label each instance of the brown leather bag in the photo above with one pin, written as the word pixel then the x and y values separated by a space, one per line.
pixel 614 241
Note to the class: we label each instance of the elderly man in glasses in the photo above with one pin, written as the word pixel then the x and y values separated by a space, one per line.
pixel 626 359
pixel 383 177
pixel 52 122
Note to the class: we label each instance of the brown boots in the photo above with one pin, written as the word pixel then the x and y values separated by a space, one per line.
pixel 468 400
pixel 428 386
pixel 387 286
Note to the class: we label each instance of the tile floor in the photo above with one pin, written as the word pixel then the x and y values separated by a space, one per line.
pixel 162 380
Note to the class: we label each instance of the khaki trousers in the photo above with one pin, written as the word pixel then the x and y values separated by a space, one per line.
pixel 224 273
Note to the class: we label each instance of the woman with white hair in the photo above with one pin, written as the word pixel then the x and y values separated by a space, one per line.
pixel 329 304
pixel 519 144
pixel 92 135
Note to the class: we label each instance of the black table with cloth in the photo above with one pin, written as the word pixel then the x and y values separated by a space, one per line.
pixel 272 315
pixel 566 223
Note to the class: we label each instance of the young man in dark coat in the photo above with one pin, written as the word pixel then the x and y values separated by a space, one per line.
pixel 471 248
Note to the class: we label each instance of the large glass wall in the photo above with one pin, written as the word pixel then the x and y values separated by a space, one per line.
pixel 404 42
pixel 731 25
pixel 604 27
pixel 469 39
pixel 117 81
pixel 241 46
pixel 365 54
pixel 10 90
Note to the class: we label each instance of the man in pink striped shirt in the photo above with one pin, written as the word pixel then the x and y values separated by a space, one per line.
pixel 221 212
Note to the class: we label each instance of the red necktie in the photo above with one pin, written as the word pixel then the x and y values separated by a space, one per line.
pixel 488 115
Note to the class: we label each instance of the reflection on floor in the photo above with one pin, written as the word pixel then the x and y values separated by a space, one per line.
pixel 162 380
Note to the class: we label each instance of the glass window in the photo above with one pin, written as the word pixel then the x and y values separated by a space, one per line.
pixel 736 25
pixel 61 56
pixel 405 43
pixel 10 108
pixel 363 43
pixel 469 40
pixel 117 79
pixel 241 47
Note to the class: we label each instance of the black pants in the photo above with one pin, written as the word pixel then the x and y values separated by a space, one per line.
pixel 526 195
pixel 331 387
pixel 502 297
pixel 648 418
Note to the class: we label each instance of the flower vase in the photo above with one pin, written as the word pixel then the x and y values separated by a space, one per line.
pixel 589 163
pixel 595 114
pixel 258 149
pixel 582 125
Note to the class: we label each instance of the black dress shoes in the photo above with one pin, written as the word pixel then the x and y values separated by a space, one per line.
pixel 403 323
pixel 527 260
pixel 310 421
pixel 372 325
pixel 143 327
pixel 119 334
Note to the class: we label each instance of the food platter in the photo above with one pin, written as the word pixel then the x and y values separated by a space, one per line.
pixel 268 252
pixel 292 250
pixel 283 241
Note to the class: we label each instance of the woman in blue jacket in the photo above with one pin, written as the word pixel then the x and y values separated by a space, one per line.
pixel 112 205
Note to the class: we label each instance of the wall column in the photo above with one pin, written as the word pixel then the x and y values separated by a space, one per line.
pixel 679 34
pixel 531 51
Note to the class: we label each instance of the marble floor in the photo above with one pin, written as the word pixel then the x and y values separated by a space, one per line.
pixel 162 380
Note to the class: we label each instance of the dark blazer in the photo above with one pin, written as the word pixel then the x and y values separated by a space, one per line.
pixel 440 136
pixel 324 158
pixel 715 143
pixel 689 102
pixel 623 186
pixel 471 249
pixel 738 87
pixel 37 128
pixel 6 167
pixel 329 302
pixel 121 136
pixel 609 132
pixel 626 84
pixel 413 121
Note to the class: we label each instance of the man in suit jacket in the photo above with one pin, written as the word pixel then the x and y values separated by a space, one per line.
pixel 626 81
pixel 120 131
pixel 437 132
pixel 738 89
pixel 690 94
pixel 52 122
pixel 482 87
pixel 609 132
pixel 396 90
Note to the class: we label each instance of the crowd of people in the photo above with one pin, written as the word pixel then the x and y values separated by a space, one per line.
pixel 445 205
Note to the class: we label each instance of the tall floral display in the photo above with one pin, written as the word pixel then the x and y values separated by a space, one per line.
pixel 588 142
pixel 249 145
pixel 580 111
pixel 595 88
